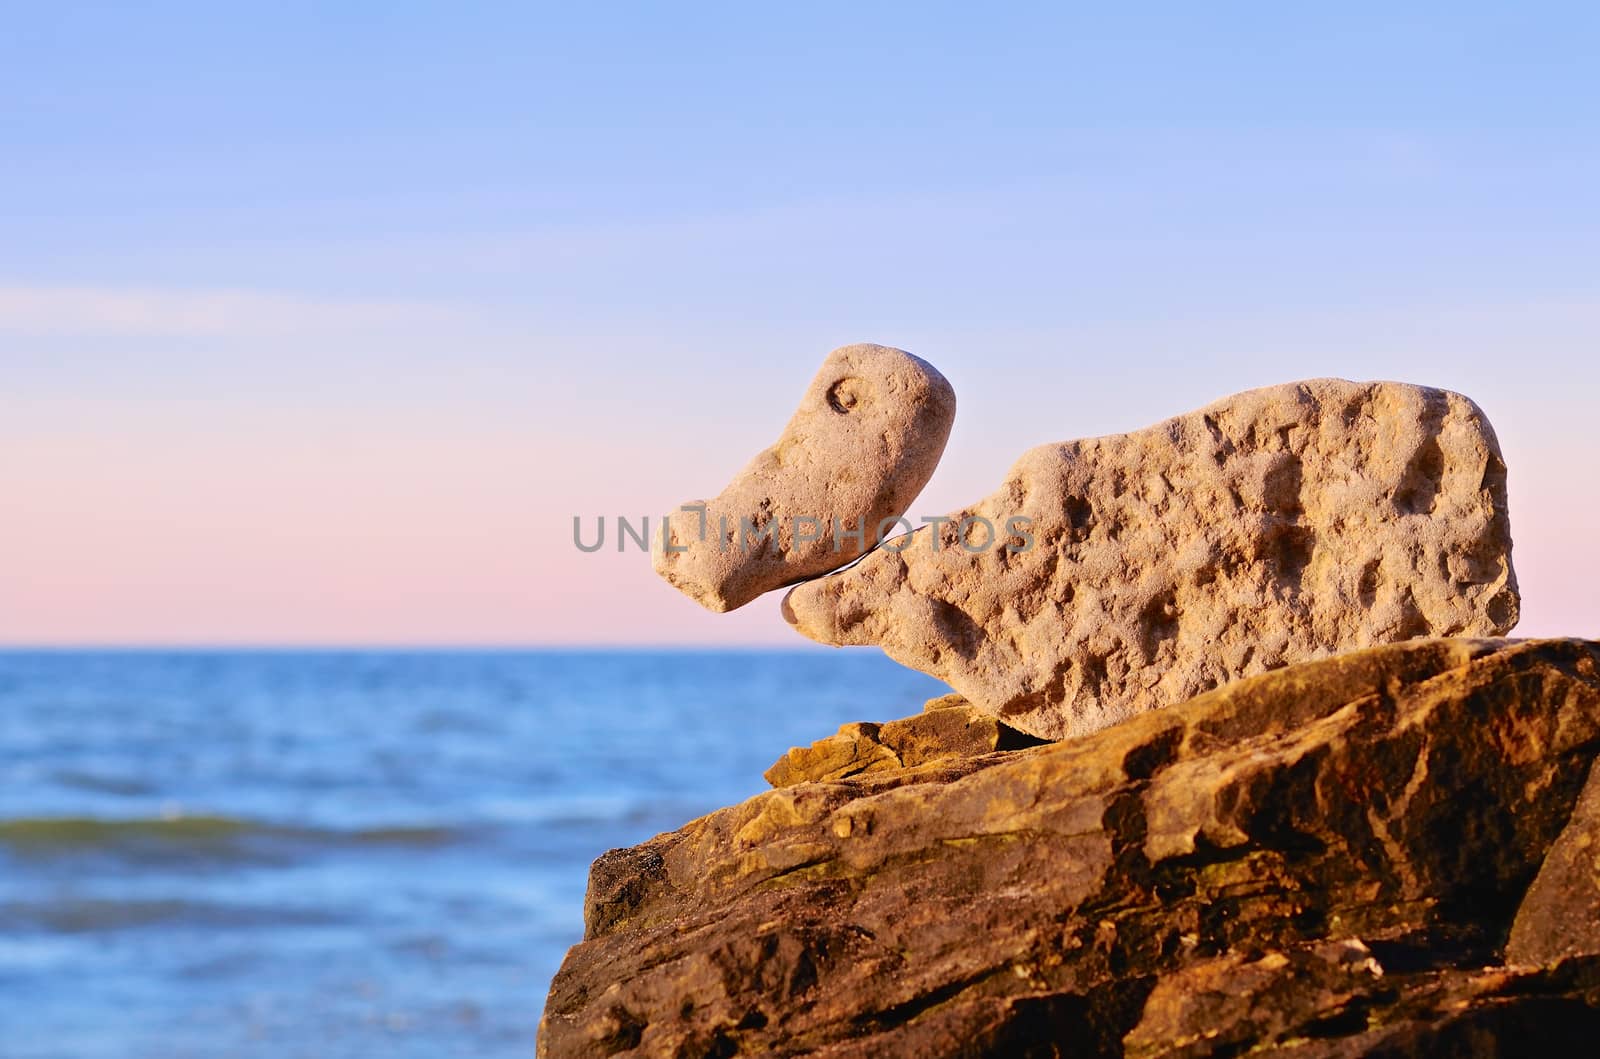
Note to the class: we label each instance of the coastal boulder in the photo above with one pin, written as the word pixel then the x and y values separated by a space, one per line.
pixel 1325 860
pixel 1126 573
pixel 865 440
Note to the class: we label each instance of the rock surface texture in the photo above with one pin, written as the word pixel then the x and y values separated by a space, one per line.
pixel 1275 526
pixel 1325 860
pixel 948 728
pixel 1561 916
pixel 861 446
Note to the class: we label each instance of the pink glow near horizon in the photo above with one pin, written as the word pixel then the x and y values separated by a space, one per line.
pixel 338 529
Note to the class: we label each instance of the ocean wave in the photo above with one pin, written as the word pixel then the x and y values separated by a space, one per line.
pixel 82 780
pixel 69 915
pixel 65 832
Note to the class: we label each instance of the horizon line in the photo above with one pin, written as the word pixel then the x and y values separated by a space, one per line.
pixel 20 646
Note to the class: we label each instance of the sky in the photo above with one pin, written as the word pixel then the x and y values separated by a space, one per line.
pixel 319 324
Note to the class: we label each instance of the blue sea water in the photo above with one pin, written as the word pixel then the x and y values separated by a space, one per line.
pixel 331 854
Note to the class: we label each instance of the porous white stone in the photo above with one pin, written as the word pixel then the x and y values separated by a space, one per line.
pixel 1275 526
pixel 864 441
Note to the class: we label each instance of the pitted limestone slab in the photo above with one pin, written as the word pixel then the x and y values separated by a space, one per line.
pixel 1275 526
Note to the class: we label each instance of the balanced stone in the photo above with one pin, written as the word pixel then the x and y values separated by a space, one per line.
pixel 1113 575
pixel 861 446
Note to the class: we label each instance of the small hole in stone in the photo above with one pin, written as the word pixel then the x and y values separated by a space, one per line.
pixel 845 395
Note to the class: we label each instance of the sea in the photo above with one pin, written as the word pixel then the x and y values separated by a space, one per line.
pixel 274 853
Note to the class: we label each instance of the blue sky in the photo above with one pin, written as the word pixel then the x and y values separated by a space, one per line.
pixel 322 323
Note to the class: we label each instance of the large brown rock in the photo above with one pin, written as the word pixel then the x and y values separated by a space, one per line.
pixel 1328 857
pixel 868 433
pixel 1275 526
